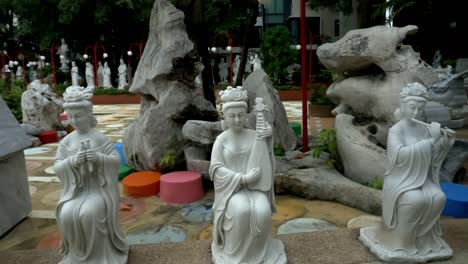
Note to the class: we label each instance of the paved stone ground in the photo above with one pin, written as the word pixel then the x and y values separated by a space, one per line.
pixel 148 220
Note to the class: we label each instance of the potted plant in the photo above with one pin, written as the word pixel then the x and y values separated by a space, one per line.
pixel 319 104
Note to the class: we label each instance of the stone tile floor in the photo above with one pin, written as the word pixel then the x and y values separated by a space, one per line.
pixel 148 220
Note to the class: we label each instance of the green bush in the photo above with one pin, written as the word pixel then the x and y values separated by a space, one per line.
pixel 278 150
pixel 319 95
pixel 325 76
pixel 377 184
pixel 276 53
pixel 12 97
pixel 326 142
pixel 110 91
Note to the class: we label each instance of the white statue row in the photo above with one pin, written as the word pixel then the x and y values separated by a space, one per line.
pixel 253 64
pixel 242 169
pixel 104 75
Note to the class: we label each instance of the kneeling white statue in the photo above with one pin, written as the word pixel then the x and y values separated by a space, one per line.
pixel 412 198
pixel 87 165
pixel 242 170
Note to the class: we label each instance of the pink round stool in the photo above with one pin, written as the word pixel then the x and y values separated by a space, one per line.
pixel 181 187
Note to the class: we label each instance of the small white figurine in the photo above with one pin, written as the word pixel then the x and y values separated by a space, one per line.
pixel 106 72
pixel 63 56
pixel 223 70
pixel 74 74
pixel 100 74
pixel 19 73
pixel 412 199
pixel 242 171
pixel 89 75
pixel 235 68
pixel 88 167
pixel 122 75
pixel 257 63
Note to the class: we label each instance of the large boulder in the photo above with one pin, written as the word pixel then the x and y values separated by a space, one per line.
pixel 165 80
pixel 258 84
pixel 373 65
pixel 41 108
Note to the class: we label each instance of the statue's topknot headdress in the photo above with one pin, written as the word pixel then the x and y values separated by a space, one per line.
pixel 413 91
pixel 232 97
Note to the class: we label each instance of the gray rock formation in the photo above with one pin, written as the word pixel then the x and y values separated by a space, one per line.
pixel 258 84
pixel 321 182
pixel 373 65
pixel 455 160
pixel 41 108
pixel 165 81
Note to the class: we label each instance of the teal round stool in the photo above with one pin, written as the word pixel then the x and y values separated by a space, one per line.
pixel 296 127
pixel 124 171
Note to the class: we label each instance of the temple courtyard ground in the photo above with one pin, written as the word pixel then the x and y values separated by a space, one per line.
pixel 152 226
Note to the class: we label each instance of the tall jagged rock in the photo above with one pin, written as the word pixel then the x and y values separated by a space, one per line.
pixel 165 81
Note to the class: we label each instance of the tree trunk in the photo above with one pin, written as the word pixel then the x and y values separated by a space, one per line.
pixel 253 9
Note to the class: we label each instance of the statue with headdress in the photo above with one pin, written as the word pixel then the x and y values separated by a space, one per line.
pixel 88 167
pixel 412 198
pixel 242 167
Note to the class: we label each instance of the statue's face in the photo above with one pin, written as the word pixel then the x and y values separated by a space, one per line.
pixel 235 118
pixel 80 118
pixel 413 109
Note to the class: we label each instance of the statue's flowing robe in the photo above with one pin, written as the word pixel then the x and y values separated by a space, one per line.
pixel 252 239
pixel 87 212
pixel 411 167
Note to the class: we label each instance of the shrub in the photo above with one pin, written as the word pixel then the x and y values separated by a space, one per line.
pixel 319 95
pixel 326 142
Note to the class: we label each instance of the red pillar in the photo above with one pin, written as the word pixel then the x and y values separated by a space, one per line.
pixel 305 139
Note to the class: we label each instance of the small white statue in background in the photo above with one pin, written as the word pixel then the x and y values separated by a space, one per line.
pixel 122 75
pixel 242 167
pixel 63 52
pixel 100 74
pixel 89 74
pixel 257 63
pixel 249 64
pixel 19 73
pixel 74 74
pixel 106 72
pixel 235 68
pixel 88 167
pixel 223 71
pixel 412 198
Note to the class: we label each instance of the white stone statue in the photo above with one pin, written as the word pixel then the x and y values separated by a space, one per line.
pixel 436 60
pixel 19 73
pixel 249 64
pixel 412 199
pixel 63 52
pixel 242 170
pixel 100 74
pixel 223 71
pixel 122 75
pixel 235 68
pixel 74 74
pixel 88 166
pixel 89 74
pixel 257 63
pixel 106 72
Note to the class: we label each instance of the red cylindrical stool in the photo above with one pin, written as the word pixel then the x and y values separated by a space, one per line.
pixel 49 136
pixel 181 187
pixel 141 184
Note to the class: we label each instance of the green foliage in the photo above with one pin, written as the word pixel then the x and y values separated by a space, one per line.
pixel 345 6
pixel 168 159
pixel 377 184
pixel 326 76
pixel 12 97
pixel 326 142
pixel 276 53
pixel 452 62
pixel 278 150
pixel 110 91
pixel 319 96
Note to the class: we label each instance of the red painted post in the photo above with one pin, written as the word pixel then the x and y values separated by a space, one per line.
pixel 52 63
pixel 230 58
pixel 305 139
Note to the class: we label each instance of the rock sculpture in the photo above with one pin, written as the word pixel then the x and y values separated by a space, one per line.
pixel 165 80
pixel 122 75
pixel 412 199
pixel 223 71
pixel 63 52
pixel 242 169
pixel 373 65
pixel 41 107
pixel 89 74
pixel 74 74
pixel 88 166
pixel 106 72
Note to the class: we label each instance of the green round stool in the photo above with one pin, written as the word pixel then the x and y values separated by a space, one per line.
pixel 296 127
pixel 124 171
